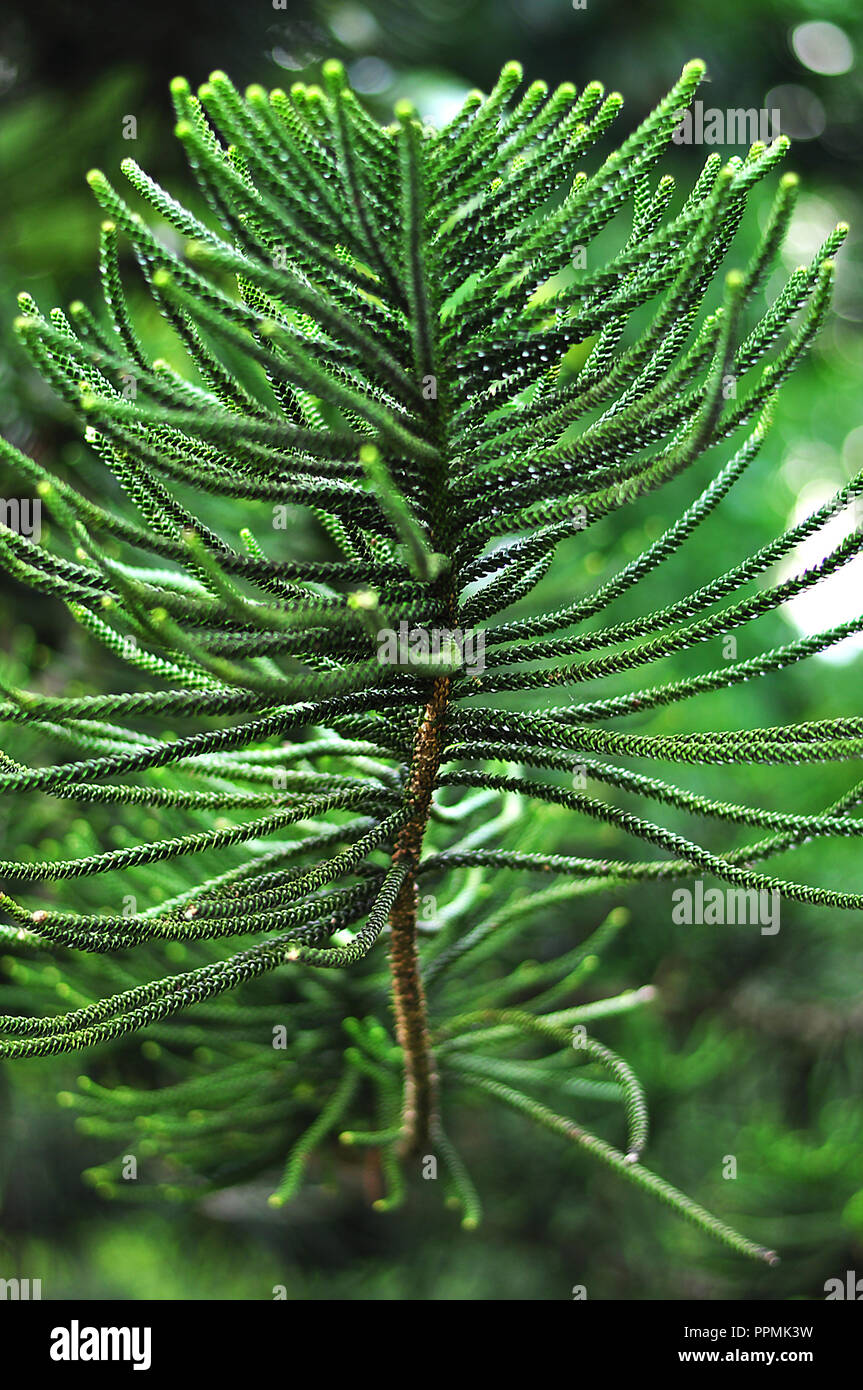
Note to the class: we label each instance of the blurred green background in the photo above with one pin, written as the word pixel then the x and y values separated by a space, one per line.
pixel 754 1047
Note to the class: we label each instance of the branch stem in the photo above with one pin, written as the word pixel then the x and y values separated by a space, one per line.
pixel 419 1107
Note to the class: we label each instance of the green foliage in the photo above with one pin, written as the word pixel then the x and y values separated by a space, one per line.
pixel 387 339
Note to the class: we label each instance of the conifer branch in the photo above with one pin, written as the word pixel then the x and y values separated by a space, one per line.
pixel 306 804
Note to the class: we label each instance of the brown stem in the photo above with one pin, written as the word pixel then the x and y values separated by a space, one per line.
pixel 419 1110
